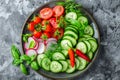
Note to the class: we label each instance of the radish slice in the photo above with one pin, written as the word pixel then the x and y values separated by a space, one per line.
pixel 27 45
pixel 50 40
pixel 36 46
pixel 41 48
pixel 31 52
pixel 39 40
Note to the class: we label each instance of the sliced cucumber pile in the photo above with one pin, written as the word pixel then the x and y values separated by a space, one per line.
pixel 86 43
pixel 70 37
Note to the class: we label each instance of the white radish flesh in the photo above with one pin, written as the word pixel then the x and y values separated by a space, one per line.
pixel 31 52
pixel 41 48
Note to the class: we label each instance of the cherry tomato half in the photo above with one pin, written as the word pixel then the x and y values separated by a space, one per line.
pixel 58 11
pixel 37 19
pixel 58 33
pixel 53 22
pixel 46 13
pixel 46 26
pixel 31 26
pixel 37 34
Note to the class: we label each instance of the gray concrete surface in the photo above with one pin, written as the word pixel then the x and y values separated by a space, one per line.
pixel 107 14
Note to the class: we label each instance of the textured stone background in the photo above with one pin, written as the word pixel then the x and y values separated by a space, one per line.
pixel 107 14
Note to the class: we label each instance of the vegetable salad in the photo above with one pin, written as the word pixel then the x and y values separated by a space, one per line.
pixel 60 39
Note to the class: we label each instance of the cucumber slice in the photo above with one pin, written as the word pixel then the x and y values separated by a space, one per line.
pixel 70 68
pixel 88 45
pixel 71 28
pixel 72 33
pixel 94 45
pixel 66 44
pixel 82 47
pixel 71 15
pixel 55 67
pixel 91 38
pixel 83 63
pixel 39 58
pixel 70 36
pixel 58 56
pixel 64 65
pixel 90 54
pixel 46 63
pixel 86 36
pixel 83 20
pixel 81 39
pixel 77 63
pixel 65 52
pixel 71 39
pixel 89 30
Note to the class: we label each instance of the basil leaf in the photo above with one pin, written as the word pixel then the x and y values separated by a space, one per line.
pixel 25 58
pixel 15 52
pixel 28 62
pixel 26 36
pixel 33 57
pixel 23 69
pixel 16 62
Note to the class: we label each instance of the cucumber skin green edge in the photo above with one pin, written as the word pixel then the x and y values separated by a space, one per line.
pixel 63 70
pixel 54 69
pixel 85 47
pixel 43 65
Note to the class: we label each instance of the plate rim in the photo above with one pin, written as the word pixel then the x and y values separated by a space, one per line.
pixel 96 53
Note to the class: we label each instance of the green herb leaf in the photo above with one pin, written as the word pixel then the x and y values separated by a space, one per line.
pixel 33 57
pixel 25 58
pixel 28 62
pixel 32 44
pixel 15 52
pixel 60 3
pixel 26 36
pixel 23 69
pixel 17 62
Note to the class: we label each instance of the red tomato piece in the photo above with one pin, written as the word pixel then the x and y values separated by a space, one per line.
pixel 53 22
pixel 46 35
pixel 37 19
pixel 31 26
pixel 58 10
pixel 46 13
pixel 58 33
pixel 46 26
pixel 37 34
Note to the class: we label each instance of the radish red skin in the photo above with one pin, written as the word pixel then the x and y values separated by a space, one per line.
pixel 36 44
pixel 31 50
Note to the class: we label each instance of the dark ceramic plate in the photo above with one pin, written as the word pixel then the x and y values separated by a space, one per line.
pixel 64 75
